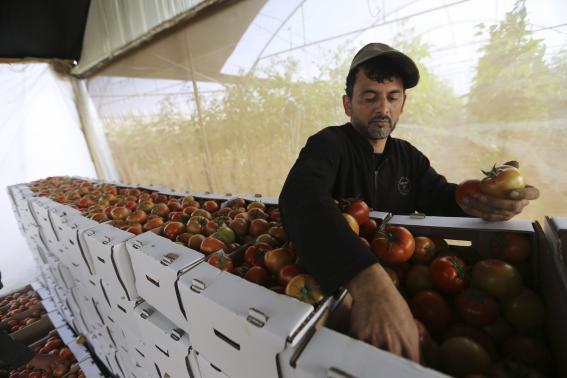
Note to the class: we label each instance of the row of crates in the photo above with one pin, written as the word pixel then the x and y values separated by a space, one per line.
pixel 154 308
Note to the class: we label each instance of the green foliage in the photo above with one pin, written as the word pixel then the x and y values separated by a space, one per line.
pixel 512 80
pixel 432 97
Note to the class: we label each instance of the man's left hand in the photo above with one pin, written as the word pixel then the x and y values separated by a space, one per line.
pixel 498 209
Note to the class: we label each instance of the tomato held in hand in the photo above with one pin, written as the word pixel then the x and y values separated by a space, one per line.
pixel 395 244
pixel 448 274
pixel 467 188
pixel 476 308
pixel 501 180
pixel 432 309
pixel 305 288
pixel 353 224
pixel 359 210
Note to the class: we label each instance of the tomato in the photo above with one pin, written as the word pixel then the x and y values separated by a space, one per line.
pixel 461 356
pixel 195 241
pixel 511 247
pixel 196 224
pixel 500 181
pixel 254 255
pixel 524 310
pixel 257 213
pixel 60 371
pixel 305 288
pixel 277 258
pixel 288 272
pixel 468 188
pixel 225 234
pixel 256 205
pixel 66 354
pixel 258 227
pixel 278 232
pixel 424 250
pixel 448 274
pixel 352 223
pixel 368 229
pixel 499 330
pixel 432 309
pixel 258 275
pixel 475 334
pixel 211 245
pixel 172 229
pixel 528 351
pixel 268 239
pixel 394 244
pixel 476 308
pixel 496 277
pixel 359 210
pixel 221 261
pixel 239 226
pixel 210 228
pixel 211 206
pixel 417 279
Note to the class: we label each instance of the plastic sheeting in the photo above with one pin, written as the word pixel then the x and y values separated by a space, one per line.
pixel 40 136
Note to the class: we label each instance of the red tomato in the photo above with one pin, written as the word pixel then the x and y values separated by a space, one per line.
pixel 468 188
pixel 476 308
pixel 254 255
pixel 258 227
pixel 288 272
pixel 461 356
pixel 211 206
pixel 424 250
pixel 432 309
pixel 394 244
pixel 222 261
pixel 476 334
pixel 359 210
pixel 196 224
pixel 210 245
pixel 368 229
pixel 500 181
pixel 511 247
pixel 448 274
pixel 258 275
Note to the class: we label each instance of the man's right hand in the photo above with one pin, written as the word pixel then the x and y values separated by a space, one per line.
pixel 380 316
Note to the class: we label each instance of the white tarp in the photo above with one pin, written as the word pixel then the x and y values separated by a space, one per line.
pixel 40 136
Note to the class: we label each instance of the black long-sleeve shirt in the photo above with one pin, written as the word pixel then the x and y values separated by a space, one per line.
pixel 13 354
pixel 338 162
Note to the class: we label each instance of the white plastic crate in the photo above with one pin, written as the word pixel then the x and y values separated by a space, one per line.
pixel 78 259
pixel 167 345
pixel 40 210
pixel 158 262
pixel 90 369
pixel 141 361
pixel 232 320
pixel 204 369
pixel 121 310
pixel 107 248
pixel 331 354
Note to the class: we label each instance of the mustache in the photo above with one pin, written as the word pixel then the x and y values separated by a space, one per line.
pixel 380 118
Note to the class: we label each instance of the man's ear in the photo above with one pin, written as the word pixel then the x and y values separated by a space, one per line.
pixel 347 105
pixel 404 103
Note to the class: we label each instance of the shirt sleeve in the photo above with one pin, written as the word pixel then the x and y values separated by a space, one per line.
pixel 435 195
pixel 13 353
pixel 328 248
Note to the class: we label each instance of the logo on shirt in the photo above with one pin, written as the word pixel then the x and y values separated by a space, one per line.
pixel 404 185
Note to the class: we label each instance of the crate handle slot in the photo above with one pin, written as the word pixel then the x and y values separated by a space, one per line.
pixel 224 338
pixel 257 317
pixel 106 240
pixel 333 372
pixel 177 334
pixel 154 281
pixel 197 286
pixel 136 245
pixel 121 308
pixel 146 313
pixel 90 232
pixel 140 353
pixel 101 259
pixel 163 351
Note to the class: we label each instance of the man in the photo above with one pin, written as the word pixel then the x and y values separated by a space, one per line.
pixel 360 158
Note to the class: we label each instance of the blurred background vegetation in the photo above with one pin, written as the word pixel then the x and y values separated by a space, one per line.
pixel 248 135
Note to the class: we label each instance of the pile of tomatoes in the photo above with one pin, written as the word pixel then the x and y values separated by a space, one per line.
pixel 51 346
pixel 20 309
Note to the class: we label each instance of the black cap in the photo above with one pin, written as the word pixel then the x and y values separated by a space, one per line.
pixel 373 50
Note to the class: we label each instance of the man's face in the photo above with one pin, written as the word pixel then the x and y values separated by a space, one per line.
pixel 375 107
